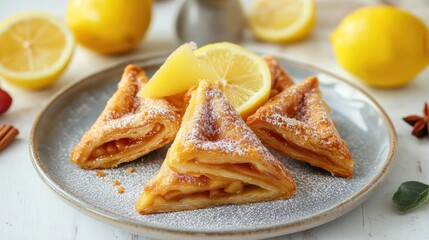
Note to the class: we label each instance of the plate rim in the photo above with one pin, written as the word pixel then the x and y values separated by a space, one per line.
pixel 310 221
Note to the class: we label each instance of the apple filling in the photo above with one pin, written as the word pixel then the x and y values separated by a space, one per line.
pixel 215 190
pixel 111 147
pixel 298 149
pixel 119 145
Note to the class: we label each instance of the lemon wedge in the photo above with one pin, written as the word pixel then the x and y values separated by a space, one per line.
pixel 35 48
pixel 179 73
pixel 282 20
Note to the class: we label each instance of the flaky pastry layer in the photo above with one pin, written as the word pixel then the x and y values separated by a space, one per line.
pixel 129 127
pixel 215 159
pixel 296 122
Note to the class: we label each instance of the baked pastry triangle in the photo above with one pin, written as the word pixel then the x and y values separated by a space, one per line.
pixel 129 127
pixel 280 79
pixel 215 159
pixel 296 122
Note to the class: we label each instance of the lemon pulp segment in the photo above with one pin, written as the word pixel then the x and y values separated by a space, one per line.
pixel 180 72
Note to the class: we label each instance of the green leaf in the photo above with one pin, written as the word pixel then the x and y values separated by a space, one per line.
pixel 411 195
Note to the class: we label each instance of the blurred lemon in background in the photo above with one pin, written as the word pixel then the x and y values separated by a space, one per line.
pixel 384 46
pixel 35 48
pixel 282 20
pixel 109 27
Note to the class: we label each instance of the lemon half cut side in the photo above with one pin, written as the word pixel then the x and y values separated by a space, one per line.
pixel 35 48
pixel 282 21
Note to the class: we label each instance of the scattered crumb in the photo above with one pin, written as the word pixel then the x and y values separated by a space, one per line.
pixel 130 170
pixel 121 189
pixel 116 183
pixel 100 173
pixel 8 223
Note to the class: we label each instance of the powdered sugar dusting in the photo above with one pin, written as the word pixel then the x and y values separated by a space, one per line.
pixel 148 111
pixel 318 193
pixel 317 190
pixel 216 126
pixel 301 109
pixel 128 108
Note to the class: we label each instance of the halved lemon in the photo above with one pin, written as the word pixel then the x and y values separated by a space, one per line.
pixel 240 74
pixel 35 48
pixel 282 20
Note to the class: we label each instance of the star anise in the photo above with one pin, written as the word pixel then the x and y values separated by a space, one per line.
pixel 420 124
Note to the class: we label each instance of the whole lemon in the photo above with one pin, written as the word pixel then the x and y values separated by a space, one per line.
pixel 109 27
pixel 384 46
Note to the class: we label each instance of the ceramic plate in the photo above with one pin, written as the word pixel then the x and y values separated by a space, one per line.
pixel 320 197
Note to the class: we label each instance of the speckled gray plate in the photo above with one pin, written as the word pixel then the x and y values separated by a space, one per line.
pixel 319 198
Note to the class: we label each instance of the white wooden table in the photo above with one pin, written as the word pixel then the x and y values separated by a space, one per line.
pixel 30 210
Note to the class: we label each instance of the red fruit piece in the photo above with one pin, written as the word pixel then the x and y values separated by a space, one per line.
pixel 5 101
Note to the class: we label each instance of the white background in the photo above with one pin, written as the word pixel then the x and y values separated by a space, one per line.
pixel 30 210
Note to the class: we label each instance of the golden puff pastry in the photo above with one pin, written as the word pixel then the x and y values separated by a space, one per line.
pixel 296 122
pixel 215 159
pixel 129 127
pixel 280 79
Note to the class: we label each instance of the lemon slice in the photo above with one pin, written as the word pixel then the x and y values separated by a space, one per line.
pixel 242 76
pixel 282 20
pixel 35 48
